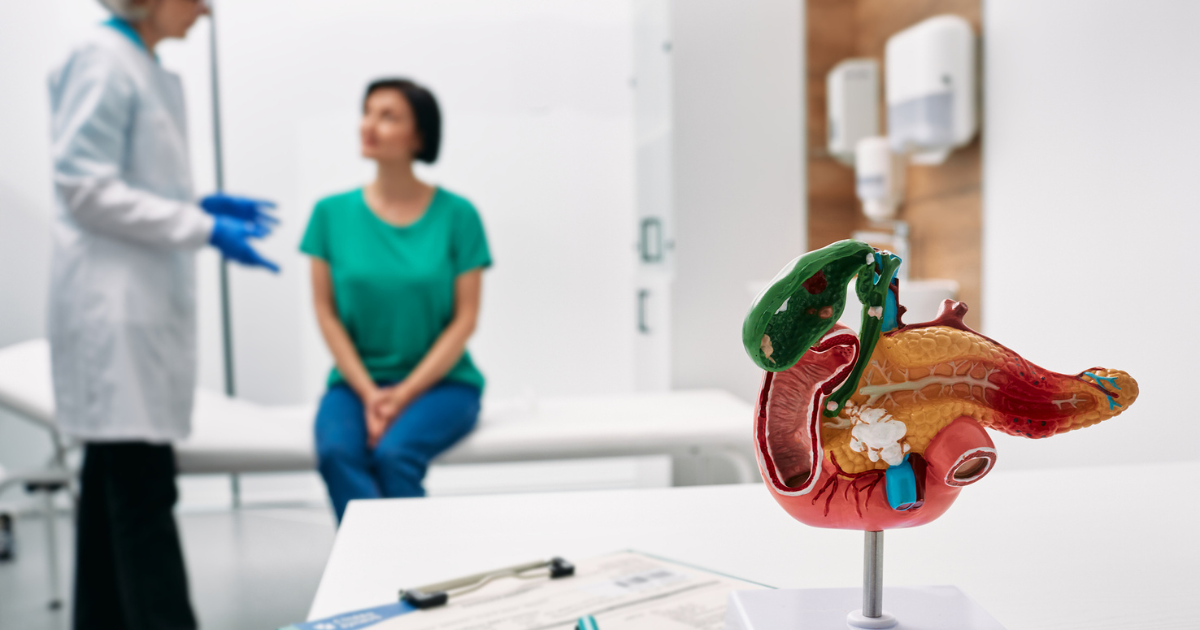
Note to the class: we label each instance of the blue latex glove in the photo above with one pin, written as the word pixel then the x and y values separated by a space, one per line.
pixel 232 236
pixel 244 208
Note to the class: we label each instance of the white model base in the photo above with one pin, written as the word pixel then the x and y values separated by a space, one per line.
pixel 912 608
pixel 858 620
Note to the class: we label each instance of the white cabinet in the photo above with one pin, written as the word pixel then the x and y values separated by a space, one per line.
pixel 718 113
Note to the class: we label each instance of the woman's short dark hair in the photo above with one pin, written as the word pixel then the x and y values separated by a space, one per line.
pixel 426 115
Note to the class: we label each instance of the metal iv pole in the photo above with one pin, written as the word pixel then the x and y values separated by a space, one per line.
pixel 219 169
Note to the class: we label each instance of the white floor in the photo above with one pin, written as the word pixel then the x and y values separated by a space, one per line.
pixel 255 568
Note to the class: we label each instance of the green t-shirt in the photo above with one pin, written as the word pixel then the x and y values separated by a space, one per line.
pixel 394 286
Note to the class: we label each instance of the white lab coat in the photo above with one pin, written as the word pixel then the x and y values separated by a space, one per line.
pixel 122 312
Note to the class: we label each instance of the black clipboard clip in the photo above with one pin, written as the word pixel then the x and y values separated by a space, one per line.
pixel 434 595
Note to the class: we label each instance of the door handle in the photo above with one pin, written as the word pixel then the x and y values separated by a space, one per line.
pixel 643 295
pixel 651 227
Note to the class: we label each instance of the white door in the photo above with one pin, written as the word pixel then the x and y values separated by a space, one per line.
pixel 655 198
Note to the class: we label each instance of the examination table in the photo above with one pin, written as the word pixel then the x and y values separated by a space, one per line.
pixel 233 436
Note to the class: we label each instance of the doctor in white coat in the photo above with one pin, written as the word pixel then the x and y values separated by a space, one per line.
pixel 122 316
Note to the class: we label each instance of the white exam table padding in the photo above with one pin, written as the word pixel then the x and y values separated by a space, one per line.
pixel 25 386
pixel 236 436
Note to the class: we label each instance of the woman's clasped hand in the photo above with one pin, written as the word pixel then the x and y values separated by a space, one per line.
pixel 383 406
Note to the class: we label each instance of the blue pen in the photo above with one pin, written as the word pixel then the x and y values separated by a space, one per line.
pixel 587 622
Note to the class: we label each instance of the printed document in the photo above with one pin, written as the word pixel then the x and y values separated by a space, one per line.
pixel 623 591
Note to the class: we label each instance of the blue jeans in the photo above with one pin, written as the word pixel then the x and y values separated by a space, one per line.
pixel 396 466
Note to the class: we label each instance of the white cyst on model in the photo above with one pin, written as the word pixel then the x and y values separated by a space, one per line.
pixel 878 434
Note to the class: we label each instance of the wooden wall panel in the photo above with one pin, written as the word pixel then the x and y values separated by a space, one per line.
pixel 877 20
pixel 830 38
pixel 942 205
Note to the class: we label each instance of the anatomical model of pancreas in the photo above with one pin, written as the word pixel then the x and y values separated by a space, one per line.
pixel 840 413
pixel 926 377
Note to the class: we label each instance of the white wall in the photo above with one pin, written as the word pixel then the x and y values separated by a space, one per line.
pixel 25 203
pixel 538 110
pixel 538 134
pixel 1091 155
pixel 739 176
pixel 25 190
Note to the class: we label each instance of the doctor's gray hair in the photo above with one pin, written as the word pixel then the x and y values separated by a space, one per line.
pixel 125 9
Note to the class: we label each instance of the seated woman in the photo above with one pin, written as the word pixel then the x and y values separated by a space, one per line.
pixel 397 269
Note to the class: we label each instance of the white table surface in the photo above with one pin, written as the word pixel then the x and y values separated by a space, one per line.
pixel 1098 548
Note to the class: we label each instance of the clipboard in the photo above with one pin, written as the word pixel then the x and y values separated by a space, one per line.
pixel 439 593
pixel 622 590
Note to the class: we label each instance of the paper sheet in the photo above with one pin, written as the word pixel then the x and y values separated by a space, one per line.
pixel 624 591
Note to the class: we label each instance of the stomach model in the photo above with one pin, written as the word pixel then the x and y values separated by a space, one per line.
pixel 880 430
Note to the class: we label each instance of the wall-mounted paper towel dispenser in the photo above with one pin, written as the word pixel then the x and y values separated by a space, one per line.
pixel 931 88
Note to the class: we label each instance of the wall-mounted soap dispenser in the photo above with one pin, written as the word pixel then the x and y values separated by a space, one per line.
pixel 931 88
pixel 852 106
pixel 879 178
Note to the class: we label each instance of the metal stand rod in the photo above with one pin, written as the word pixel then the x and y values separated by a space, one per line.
pixel 219 173
pixel 873 575
pixel 226 328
